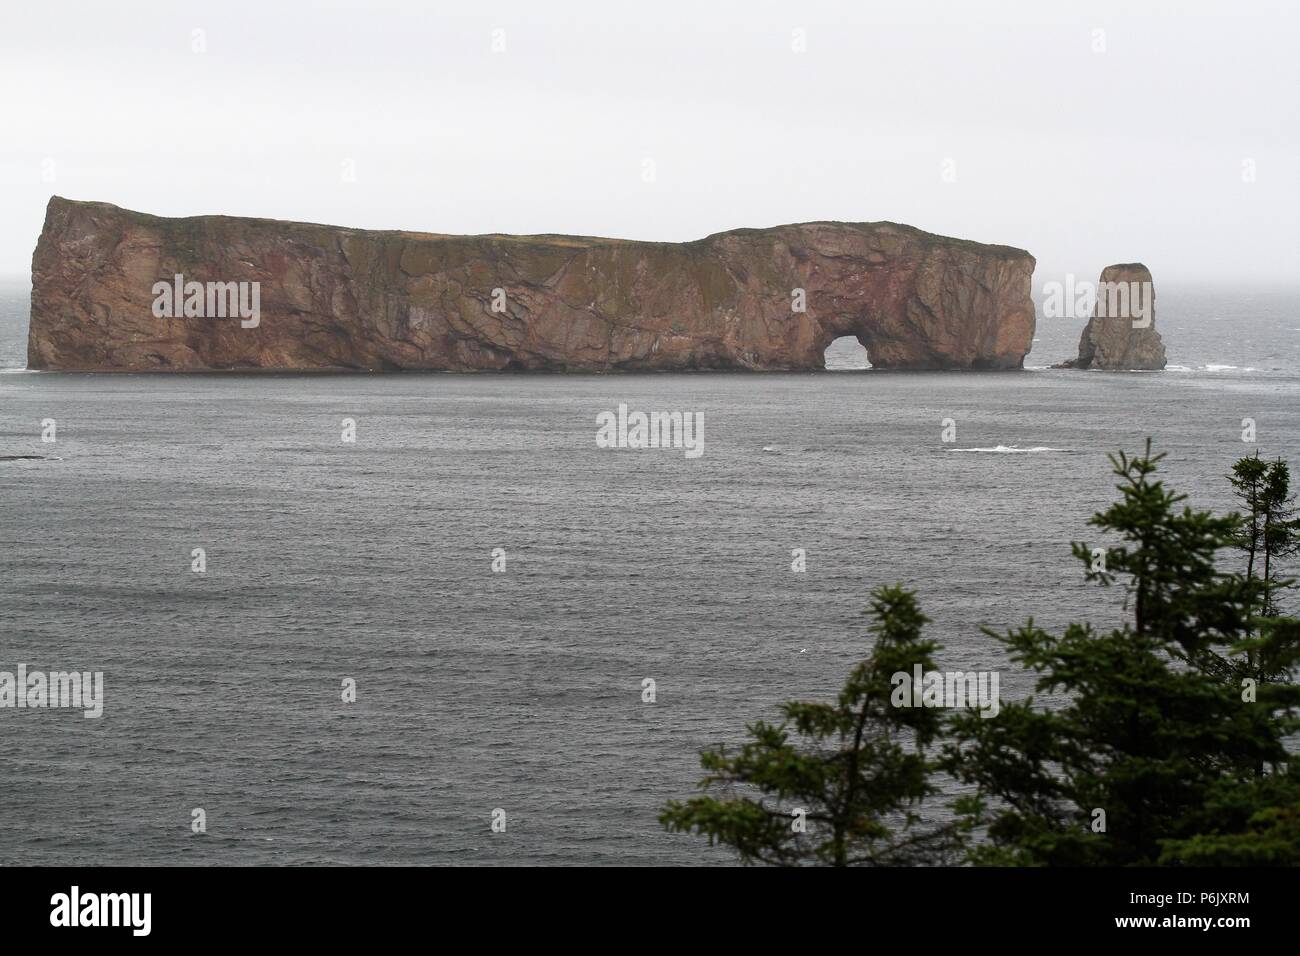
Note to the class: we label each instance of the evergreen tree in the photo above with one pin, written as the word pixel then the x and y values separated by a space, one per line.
pixel 1160 747
pixel 1281 531
pixel 1247 479
pixel 856 768
pixel 1121 772
pixel 1254 823
pixel 1268 534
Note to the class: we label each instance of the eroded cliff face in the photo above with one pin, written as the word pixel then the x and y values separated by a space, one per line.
pixel 348 298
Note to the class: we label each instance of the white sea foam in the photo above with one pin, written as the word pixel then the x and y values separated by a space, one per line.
pixel 1010 449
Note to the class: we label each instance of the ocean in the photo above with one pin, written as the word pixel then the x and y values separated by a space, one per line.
pixel 521 690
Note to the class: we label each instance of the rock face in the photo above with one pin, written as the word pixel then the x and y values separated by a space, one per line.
pixel 347 298
pixel 1121 335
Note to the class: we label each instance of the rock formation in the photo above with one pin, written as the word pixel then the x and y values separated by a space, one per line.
pixel 348 298
pixel 1121 335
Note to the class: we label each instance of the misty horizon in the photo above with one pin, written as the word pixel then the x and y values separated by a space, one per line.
pixel 1086 135
pixel 1041 274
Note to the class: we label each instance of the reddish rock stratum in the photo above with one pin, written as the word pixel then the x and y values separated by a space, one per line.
pixel 333 297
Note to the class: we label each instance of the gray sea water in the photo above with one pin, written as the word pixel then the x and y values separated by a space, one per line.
pixel 522 690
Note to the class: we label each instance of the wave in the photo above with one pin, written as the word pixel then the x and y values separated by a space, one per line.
pixel 1211 367
pixel 1010 450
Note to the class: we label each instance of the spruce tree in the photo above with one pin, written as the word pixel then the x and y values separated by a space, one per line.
pixel 1281 532
pixel 1268 534
pixel 1143 738
pixel 837 783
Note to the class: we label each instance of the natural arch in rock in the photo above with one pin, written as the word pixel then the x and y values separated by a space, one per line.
pixel 847 353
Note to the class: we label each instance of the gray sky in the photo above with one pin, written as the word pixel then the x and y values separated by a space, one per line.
pixel 997 122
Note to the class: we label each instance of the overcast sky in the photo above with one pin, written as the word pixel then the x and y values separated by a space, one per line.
pixel 1087 133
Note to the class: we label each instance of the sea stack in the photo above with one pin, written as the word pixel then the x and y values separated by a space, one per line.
pixel 119 290
pixel 1121 335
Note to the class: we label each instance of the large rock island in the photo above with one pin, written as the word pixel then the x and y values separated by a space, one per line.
pixel 332 297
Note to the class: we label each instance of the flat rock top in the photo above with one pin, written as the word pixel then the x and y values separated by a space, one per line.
pixel 549 239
